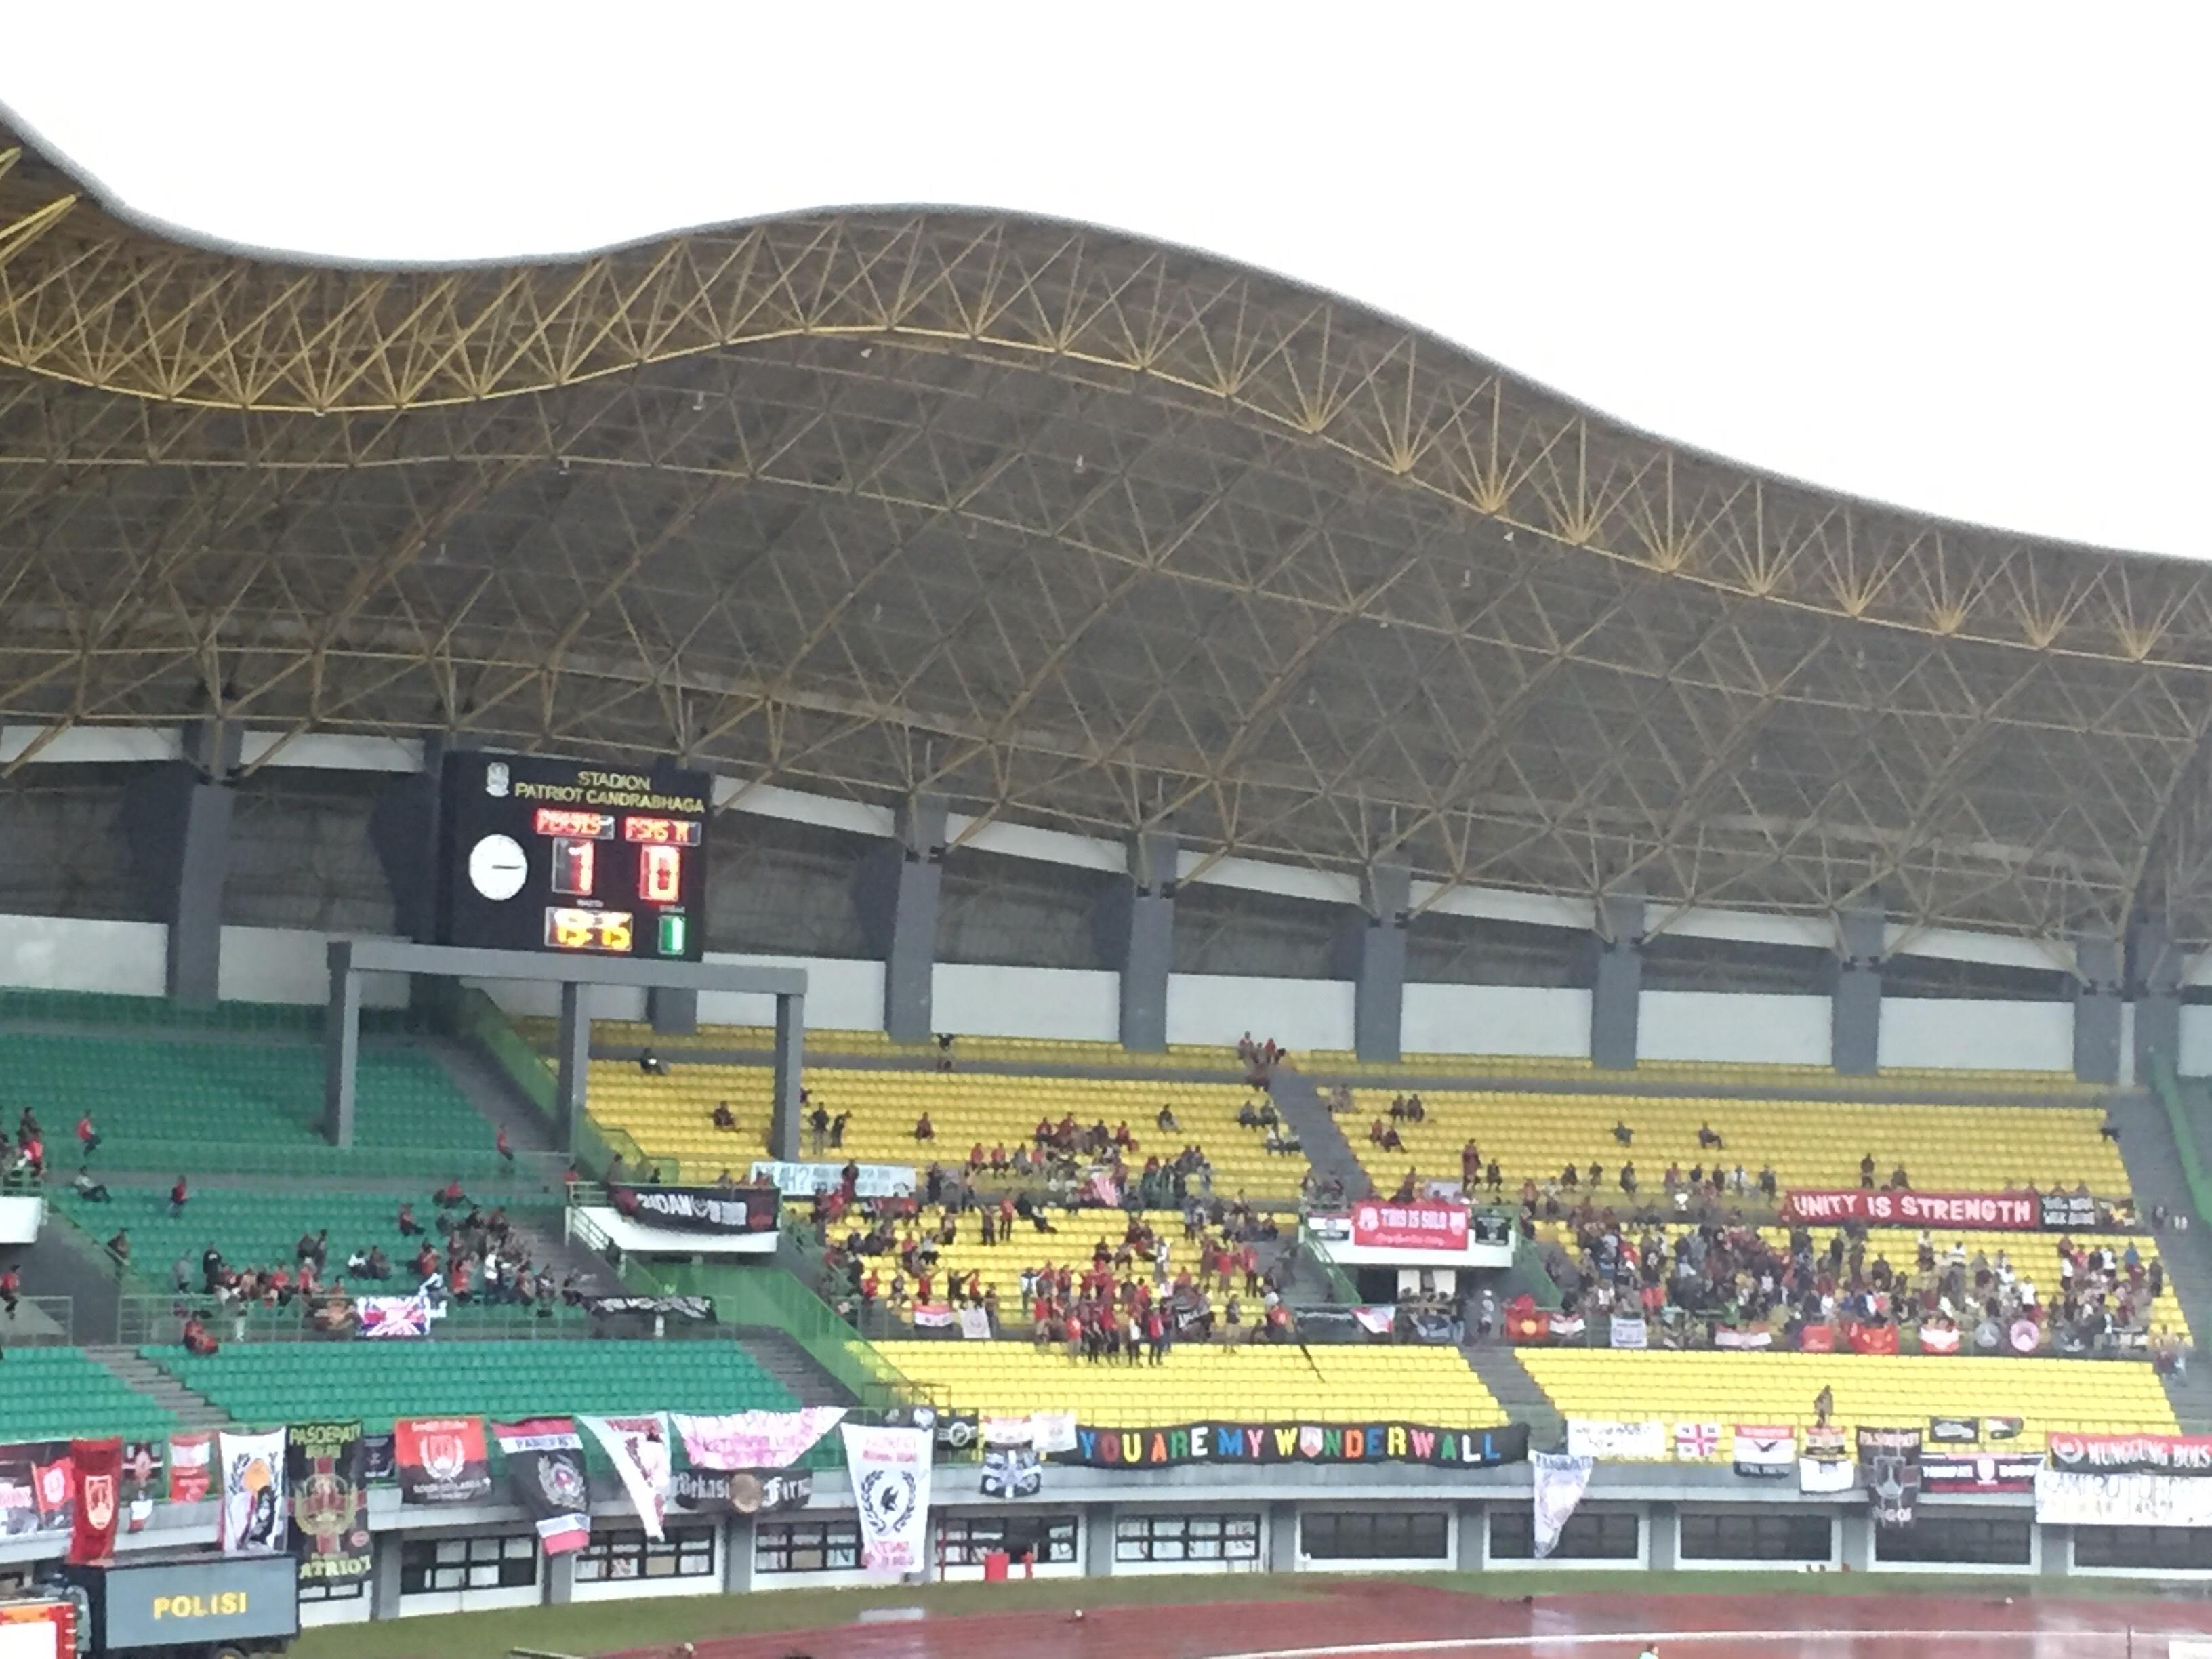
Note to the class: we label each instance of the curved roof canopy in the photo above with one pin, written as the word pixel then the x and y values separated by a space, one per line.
pixel 1076 531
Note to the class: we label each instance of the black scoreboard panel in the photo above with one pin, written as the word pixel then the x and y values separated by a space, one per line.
pixel 572 856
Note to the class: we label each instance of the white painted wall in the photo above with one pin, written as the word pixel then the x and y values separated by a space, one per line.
pixel 1755 1028
pixel 288 964
pixel 1496 1019
pixel 2196 1057
pixel 1954 1032
pixel 843 994
pixel 981 1000
pixel 50 953
pixel 1301 1014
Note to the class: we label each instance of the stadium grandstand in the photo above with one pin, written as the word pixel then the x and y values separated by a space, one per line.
pixel 998 846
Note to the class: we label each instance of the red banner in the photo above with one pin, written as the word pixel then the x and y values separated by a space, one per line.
pixel 2127 1454
pixel 1906 1208
pixel 99 1482
pixel 1872 1339
pixel 1817 1339
pixel 1433 1225
pixel 1936 1340
pixel 188 1466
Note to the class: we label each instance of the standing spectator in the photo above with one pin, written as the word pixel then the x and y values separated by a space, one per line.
pixel 1824 1405
pixel 503 1146
pixel 88 1137
pixel 178 1196
pixel 11 1289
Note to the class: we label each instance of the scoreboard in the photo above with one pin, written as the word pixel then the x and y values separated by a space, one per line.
pixel 570 856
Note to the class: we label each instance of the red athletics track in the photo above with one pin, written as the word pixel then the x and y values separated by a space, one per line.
pixel 1387 1621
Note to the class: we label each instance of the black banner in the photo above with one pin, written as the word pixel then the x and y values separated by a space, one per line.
pixel 1955 1430
pixel 329 1503
pixel 441 1460
pixel 1942 1474
pixel 755 1491
pixel 700 1209
pixel 1222 1444
pixel 1011 1471
pixel 2002 1428
pixel 36 1494
pixel 545 1472
pixel 380 1459
pixel 1891 1461
pixel 2066 1212
pixel 697 1310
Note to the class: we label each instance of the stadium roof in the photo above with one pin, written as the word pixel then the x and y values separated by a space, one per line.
pixel 1076 531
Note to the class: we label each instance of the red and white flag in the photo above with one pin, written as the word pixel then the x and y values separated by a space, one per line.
pixel 1695 1442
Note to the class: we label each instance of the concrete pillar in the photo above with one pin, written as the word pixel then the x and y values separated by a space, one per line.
pixel 383 1575
pixel 1474 1536
pixel 574 1061
pixel 2055 1559
pixel 402 830
pixel 737 1555
pixel 176 820
pixel 1855 1026
pixel 341 1044
pixel 1097 1541
pixel 1134 928
pixel 1371 953
pixel 784 1112
pixel 895 892
pixel 1854 1542
pixel 1282 1537
pixel 1617 988
pixel 2097 1008
pixel 673 1013
pixel 2155 982
pixel 560 1580
pixel 1662 1543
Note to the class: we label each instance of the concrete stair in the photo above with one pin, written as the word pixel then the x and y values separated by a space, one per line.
pixel 192 1410
pixel 1507 1379
pixel 782 1359
pixel 1326 1150
pixel 2155 1177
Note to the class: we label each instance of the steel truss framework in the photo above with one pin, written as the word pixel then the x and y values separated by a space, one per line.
pixel 1076 531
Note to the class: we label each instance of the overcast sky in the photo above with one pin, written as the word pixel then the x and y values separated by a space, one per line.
pixel 1952 257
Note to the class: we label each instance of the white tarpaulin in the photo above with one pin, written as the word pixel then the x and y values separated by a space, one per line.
pixel 1602 1437
pixel 1826 1474
pixel 254 1504
pixel 889 1469
pixel 2065 1498
pixel 1561 1483
pixel 1052 1431
pixel 638 1448
pixel 808 1179
pixel 1629 1331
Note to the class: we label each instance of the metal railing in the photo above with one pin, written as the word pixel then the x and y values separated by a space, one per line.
pixel 146 1319
pixel 39 1322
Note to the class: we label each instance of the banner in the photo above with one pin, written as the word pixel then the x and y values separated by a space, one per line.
pixel 1907 1208
pixel 1011 1471
pixel 1602 1437
pixel 638 1448
pixel 1766 1451
pixel 141 1481
pixel 726 1210
pixel 1734 1336
pixel 1629 1331
pixel 2147 1453
pixel 379 1464
pixel 394 1316
pixel 98 1467
pixel 1942 1473
pixel 1052 1431
pixel 1005 1431
pixel 1955 1430
pixel 2066 1212
pixel 1696 1442
pixel 890 1470
pixel 1300 1442
pixel 441 1460
pixel 1939 1338
pixel 1816 1338
pixel 545 1472
pixel 1563 1328
pixel 1891 1457
pixel 2003 1428
pixel 1438 1225
pixel 189 1462
pixel 975 1323
pixel 809 1180
pixel 2069 1498
pixel 1561 1483
pixel 35 1490
pixel 250 1467
pixel 1375 1319
pixel 694 1309
pixel 754 1440
pixel 723 1491
pixel 329 1503
pixel 1871 1339
pixel 1826 1474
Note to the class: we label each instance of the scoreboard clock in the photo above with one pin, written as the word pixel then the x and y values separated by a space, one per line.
pixel 573 857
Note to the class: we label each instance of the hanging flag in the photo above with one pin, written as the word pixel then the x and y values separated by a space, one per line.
pixel 1765 1450
pixel 1629 1331
pixel 755 1440
pixel 638 1448
pixel 99 1468
pixel 545 1472
pixel 250 1467
pixel 190 1456
pixel 1891 1457
pixel 329 1503
pixel 889 1469
pixel 1011 1471
pixel 141 1479
pixel 441 1460
pixel 1561 1480
pixel 1696 1442
pixel 1052 1431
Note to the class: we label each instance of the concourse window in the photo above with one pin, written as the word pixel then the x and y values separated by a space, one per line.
pixel 1375 1534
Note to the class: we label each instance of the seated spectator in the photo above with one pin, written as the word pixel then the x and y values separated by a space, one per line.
pixel 1708 1140
pixel 650 1064
pixel 1166 1120
pixel 91 1191
pixel 197 1340
pixel 923 1128
pixel 724 1118
pixel 1622 1133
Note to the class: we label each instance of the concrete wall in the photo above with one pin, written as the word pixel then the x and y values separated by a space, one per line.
pixel 1955 1032
pixel 1496 1019
pixel 981 1000
pixel 1749 1028
pixel 1298 1014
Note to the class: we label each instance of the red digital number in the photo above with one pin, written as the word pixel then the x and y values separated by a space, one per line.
pixel 660 875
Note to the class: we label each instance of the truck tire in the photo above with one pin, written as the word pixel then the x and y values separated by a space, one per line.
pixel 225 1651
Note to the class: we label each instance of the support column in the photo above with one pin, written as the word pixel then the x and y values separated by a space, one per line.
pixel 1097 1541
pixel 784 1113
pixel 176 819
pixel 896 890
pixel 2097 1008
pixel 1134 929
pixel 341 1045
pixel 383 1575
pixel 737 1555
pixel 1618 986
pixel 1371 953
pixel 573 1061
pixel 1663 1542
pixel 1474 1536
pixel 1282 1537
pixel 1854 1026
pixel 2155 982
pixel 673 1013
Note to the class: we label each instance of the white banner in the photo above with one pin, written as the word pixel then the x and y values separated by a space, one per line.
pixel 1560 1484
pixel 755 1440
pixel 889 1469
pixel 807 1180
pixel 638 1448
pixel 1730 1336
pixel 1826 1474
pixel 1629 1331
pixel 1600 1436
pixel 975 1324
pixel 1006 1430
pixel 1052 1431
pixel 2065 1498
pixel 251 1471
pixel 1765 1450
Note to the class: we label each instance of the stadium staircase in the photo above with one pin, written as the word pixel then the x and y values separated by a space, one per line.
pixel 1511 1386
pixel 141 1376
pixel 1326 1150
pixel 2159 1172
pixel 781 1356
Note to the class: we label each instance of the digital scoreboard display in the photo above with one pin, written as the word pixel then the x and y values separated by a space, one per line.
pixel 572 856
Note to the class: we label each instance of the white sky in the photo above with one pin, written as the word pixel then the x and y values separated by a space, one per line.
pixel 1955 256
